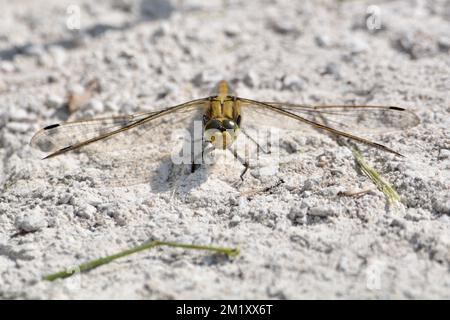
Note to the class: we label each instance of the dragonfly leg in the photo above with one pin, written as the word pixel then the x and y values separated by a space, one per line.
pixel 245 162
pixel 206 151
pixel 244 171
pixel 194 164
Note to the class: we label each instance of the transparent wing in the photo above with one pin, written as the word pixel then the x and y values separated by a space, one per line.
pixel 111 133
pixel 361 119
pixel 119 151
pixel 338 120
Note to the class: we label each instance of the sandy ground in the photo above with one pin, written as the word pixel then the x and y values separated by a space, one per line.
pixel 299 239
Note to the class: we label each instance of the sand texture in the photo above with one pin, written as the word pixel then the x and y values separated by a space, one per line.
pixel 299 236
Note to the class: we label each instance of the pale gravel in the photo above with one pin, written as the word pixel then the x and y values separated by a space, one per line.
pixel 301 240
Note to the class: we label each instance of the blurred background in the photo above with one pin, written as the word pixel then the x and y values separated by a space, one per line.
pixel 145 51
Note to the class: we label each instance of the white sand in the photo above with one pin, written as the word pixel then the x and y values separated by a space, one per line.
pixel 300 240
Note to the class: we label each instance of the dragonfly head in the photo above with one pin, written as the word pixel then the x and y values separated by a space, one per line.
pixel 221 132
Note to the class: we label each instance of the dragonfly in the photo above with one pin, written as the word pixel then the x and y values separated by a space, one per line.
pixel 222 122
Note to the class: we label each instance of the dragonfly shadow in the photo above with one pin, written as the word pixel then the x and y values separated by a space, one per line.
pixel 177 178
pixel 160 174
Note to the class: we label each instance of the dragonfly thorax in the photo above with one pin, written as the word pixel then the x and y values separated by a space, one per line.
pixel 221 121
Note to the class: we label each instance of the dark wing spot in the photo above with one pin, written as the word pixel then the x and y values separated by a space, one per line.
pixel 397 108
pixel 51 126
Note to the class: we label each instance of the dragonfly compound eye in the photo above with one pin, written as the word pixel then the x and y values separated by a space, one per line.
pixel 229 124
pixel 213 125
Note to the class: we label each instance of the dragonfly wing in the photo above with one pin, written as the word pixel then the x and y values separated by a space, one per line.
pixel 110 133
pixel 57 136
pixel 338 120
pixel 361 119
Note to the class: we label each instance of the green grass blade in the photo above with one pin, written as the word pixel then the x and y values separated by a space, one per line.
pixel 231 252
pixel 382 185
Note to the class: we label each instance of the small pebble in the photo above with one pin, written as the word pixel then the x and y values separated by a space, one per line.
pixel 417 45
pixel 18 127
pixel 64 198
pixel 308 185
pixel 33 50
pixel 444 154
pixel 231 30
pixel 330 191
pixel 93 200
pixel 293 82
pixel 283 27
pixel 332 69
pixel 166 90
pixel 444 44
pixel 20 115
pixel 155 9
pixel 31 221
pixel 442 205
pixel 251 79
pixel 58 54
pixel 322 211
pixel 399 223
pixel 207 77
pixel 76 89
pixel 7 66
pixel 297 214
pixel 161 31
pixel 53 101
pixel 323 41
pixel 86 211
pixel 235 221
pixel 95 105
pixel 358 46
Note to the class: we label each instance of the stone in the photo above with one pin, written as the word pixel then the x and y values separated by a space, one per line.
pixel 293 82
pixel 31 221
pixel 251 79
